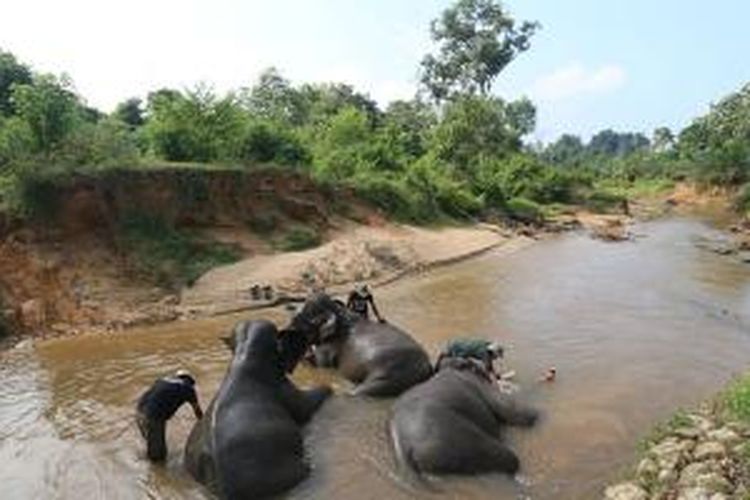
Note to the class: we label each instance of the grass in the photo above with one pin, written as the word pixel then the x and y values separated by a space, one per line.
pixel 168 256
pixel 664 429
pixel 640 188
pixel 735 400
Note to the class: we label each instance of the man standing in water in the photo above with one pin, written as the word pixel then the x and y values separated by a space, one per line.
pixel 359 302
pixel 158 404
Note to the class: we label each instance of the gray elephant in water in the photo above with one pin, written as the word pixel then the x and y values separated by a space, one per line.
pixel 380 358
pixel 452 423
pixel 249 443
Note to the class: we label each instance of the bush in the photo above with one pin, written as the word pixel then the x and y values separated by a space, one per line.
pixel 393 196
pixel 603 201
pixel 266 143
pixel 524 210
pixel 299 238
pixel 170 257
pixel 108 143
pixel 736 399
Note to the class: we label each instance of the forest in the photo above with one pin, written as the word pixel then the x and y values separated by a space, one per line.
pixel 455 150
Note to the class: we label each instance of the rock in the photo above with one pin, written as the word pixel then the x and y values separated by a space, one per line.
pixel 170 300
pixel 670 452
pixel 701 422
pixel 32 314
pixel 707 475
pixel 625 491
pixel 647 469
pixel 688 433
pixel 725 436
pixel 693 494
pixel 708 450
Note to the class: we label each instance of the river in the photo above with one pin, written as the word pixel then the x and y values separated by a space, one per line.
pixel 635 330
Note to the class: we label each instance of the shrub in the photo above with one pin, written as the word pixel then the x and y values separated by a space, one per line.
pixel 299 238
pixel 170 257
pixel 524 210
pixel 393 196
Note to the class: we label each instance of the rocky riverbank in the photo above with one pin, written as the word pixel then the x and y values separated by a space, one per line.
pixel 698 456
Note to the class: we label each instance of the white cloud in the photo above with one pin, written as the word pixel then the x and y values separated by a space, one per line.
pixel 575 80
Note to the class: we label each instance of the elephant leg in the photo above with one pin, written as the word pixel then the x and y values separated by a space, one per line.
pixel 303 404
pixel 466 450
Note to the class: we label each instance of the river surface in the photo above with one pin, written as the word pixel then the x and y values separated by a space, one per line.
pixel 635 329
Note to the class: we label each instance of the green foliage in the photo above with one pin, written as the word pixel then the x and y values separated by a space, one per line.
pixel 167 256
pixel 130 112
pixel 49 107
pixel 524 210
pixel 473 128
pixel 12 73
pixel 736 399
pixel 392 195
pixel 266 142
pixel 196 126
pixel 299 238
pixel 725 164
pixel 476 40
pixel 108 143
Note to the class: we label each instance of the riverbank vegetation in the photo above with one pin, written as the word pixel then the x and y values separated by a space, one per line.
pixel 455 150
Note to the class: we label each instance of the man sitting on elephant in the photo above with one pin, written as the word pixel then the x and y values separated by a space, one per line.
pixel 360 301
pixel 481 350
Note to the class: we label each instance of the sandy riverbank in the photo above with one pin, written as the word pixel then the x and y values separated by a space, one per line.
pixel 355 253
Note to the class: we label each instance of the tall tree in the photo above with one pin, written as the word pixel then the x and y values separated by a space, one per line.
pixel 50 107
pixel 273 98
pixel 11 73
pixel 662 140
pixel 476 40
pixel 130 112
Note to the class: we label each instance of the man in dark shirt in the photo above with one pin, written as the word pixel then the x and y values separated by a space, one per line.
pixel 158 404
pixel 359 302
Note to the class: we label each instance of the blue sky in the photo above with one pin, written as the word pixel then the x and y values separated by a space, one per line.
pixel 627 65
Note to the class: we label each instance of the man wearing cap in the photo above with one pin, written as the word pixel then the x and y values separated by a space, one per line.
pixel 481 350
pixel 158 404
pixel 359 302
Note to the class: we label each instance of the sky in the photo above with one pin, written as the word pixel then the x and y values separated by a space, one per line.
pixel 628 65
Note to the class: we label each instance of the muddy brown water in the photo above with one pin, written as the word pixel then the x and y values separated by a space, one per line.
pixel 635 330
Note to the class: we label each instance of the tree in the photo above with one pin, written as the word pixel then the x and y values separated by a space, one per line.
pixel 476 40
pixel 50 108
pixel 130 112
pixel 567 150
pixel 11 73
pixel 196 126
pixel 476 127
pixel 273 98
pixel 663 140
pixel 610 143
pixel 406 128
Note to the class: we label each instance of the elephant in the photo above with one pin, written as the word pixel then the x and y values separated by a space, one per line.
pixel 452 423
pixel 249 443
pixel 381 359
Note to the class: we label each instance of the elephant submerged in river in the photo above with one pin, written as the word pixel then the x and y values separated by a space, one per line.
pixel 249 443
pixel 380 358
pixel 451 424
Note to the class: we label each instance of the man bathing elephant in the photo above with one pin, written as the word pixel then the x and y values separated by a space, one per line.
pixel 380 358
pixel 250 443
pixel 158 404
pixel 452 423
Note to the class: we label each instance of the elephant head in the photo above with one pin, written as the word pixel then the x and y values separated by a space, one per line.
pixel 322 324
